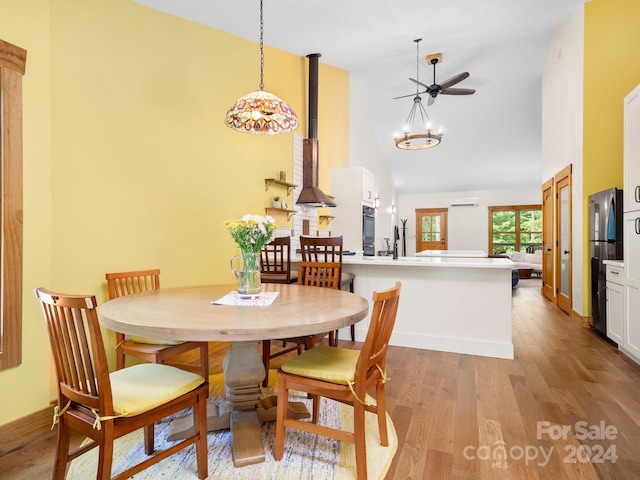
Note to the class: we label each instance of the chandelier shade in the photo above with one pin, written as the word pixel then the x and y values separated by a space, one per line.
pixel 261 112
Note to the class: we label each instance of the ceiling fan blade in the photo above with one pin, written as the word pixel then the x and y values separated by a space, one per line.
pixel 421 84
pixel 453 80
pixel 458 91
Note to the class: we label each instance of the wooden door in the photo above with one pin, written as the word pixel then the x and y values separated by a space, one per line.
pixel 431 229
pixel 548 250
pixel 563 280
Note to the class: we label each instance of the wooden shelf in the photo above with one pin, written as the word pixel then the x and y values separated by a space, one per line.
pixel 326 218
pixel 275 181
pixel 280 210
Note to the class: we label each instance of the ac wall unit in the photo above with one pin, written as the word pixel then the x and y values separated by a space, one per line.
pixel 464 202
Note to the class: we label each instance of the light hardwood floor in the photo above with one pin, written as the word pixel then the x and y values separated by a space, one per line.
pixel 467 417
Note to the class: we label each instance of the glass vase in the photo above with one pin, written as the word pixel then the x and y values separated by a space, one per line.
pixel 247 273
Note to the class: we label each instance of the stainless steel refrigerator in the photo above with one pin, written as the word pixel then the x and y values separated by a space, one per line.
pixel 605 243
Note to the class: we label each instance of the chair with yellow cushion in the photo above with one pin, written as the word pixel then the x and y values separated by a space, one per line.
pixel 104 406
pixel 150 349
pixel 343 375
pixel 314 275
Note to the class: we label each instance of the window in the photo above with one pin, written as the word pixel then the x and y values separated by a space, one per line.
pixel 515 229
pixel 12 66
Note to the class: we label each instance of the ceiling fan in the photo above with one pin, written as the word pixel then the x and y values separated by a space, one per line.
pixel 445 87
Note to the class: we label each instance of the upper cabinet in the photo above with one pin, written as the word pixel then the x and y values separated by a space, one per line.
pixel 353 188
pixel 355 183
pixel 632 151
pixel 368 187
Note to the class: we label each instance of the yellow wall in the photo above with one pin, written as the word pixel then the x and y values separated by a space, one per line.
pixel 128 163
pixel 611 71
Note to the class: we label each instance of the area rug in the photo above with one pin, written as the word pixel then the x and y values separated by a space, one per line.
pixel 306 456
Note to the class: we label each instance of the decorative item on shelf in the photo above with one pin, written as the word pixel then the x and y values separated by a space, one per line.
pixel 421 139
pixel 283 176
pixel 261 112
pixel 251 233
pixel 276 203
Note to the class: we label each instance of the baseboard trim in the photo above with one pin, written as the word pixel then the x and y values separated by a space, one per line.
pixel 23 431
pixel 585 321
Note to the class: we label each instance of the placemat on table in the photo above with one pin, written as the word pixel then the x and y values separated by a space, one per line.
pixel 263 299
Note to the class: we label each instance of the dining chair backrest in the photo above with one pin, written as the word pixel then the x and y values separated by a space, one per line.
pixel 127 283
pixel 78 351
pixel 320 274
pixel 373 355
pixel 275 261
pixel 321 249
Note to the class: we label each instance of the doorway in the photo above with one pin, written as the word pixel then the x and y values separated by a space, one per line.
pixel 563 260
pixel 431 229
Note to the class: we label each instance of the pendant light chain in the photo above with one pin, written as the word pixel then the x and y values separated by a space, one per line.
pixel 261 49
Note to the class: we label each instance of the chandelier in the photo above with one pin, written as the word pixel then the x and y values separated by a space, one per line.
pixel 261 112
pixel 424 137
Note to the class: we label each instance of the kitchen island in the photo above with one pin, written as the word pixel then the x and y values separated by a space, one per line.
pixel 451 304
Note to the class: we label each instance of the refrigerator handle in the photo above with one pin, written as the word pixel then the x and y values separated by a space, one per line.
pixel 638 225
pixel 637 193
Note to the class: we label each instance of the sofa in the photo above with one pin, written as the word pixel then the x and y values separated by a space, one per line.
pixel 527 261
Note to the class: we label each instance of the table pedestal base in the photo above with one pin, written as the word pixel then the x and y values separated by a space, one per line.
pixel 243 411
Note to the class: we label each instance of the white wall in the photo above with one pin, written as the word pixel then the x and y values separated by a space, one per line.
pixel 364 152
pixel 468 227
pixel 562 111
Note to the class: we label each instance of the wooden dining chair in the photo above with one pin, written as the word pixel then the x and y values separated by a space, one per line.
pixel 328 249
pixel 275 262
pixel 346 376
pixel 105 406
pixel 150 349
pixel 321 266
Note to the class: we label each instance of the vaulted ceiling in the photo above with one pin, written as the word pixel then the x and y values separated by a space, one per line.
pixel 492 138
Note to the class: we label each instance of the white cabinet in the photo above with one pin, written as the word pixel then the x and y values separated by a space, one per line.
pixel 631 228
pixel 632 284
pixel 352 188
pixel 632 151
pixel 368 187
pixel 615 303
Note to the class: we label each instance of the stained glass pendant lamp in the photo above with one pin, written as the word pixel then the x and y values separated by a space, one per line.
pixel 261 112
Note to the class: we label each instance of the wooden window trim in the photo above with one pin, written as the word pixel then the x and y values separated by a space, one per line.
pixel 515 208
pixel 12 68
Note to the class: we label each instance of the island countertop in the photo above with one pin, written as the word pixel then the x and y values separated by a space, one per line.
pixel 464 262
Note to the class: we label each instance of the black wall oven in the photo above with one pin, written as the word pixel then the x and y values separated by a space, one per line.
pixel 368 230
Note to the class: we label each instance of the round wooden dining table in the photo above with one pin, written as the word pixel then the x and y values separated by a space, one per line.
pixel 191 313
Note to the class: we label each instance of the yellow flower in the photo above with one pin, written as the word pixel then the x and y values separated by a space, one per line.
pixel 251 232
